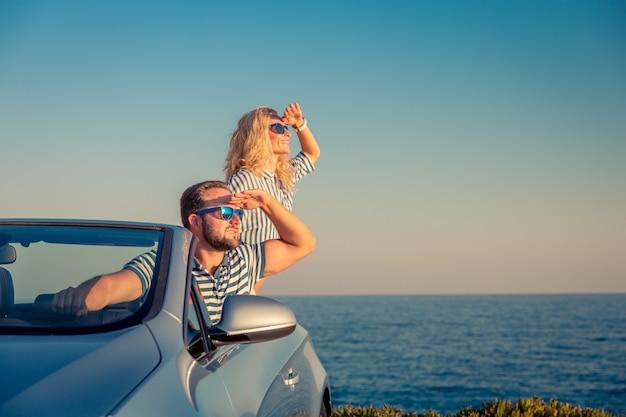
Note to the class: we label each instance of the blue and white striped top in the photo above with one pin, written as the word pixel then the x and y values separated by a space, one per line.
pixel 240 269
pixel 256 227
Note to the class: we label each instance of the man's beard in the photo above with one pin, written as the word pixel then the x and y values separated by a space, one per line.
pixel 221 244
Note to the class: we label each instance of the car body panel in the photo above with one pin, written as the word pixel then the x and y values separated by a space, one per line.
pixel 156 356
pixel 53 375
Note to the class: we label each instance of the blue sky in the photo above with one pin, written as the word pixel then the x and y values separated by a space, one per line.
pixel 471 147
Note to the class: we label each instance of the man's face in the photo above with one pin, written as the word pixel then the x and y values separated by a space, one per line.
pixel 220 234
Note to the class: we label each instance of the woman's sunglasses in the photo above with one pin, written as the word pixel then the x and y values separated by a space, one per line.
pixel 226 213
pixel 279 128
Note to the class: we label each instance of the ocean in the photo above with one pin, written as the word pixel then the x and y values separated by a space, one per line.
pixel 446 352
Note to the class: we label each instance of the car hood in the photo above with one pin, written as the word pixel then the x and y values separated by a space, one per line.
pixel 73 374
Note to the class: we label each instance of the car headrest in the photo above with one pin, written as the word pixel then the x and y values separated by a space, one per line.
pixel 7 253
pixel 6 292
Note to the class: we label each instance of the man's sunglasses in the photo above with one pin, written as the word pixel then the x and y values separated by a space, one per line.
pixel 279 128
pixel 226 213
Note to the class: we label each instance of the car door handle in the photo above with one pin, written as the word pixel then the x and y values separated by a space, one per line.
pixel 292 378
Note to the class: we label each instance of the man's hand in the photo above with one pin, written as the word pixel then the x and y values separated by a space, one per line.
pixel 70 302
pixel 251 199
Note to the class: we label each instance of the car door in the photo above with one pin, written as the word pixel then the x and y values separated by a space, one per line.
pixel 272 378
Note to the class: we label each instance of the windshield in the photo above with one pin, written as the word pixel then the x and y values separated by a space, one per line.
pixel 37 261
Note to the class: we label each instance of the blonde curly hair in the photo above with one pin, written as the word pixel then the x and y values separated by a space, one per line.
pixel 250 148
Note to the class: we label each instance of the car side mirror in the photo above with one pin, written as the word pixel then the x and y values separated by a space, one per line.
pixel 252 319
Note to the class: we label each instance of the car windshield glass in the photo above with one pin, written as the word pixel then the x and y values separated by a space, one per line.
pixel 39 260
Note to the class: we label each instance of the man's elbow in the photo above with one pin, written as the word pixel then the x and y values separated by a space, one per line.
pixel 310 245
pixel 303 249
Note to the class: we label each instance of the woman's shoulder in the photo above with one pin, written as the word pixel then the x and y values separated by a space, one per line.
pixel 242 180
pixel 244 173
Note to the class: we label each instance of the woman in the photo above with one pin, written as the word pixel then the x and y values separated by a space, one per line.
pixel 259 157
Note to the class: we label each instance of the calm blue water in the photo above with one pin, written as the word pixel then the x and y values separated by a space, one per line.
pixel 447 352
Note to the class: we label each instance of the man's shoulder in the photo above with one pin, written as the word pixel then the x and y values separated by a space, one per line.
pixel 244 250
pixel 149 256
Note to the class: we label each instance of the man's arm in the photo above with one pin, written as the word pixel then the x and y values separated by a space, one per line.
pixel 296 239
pixel 98 293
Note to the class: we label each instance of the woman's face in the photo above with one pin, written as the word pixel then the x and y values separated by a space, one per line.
pixel 279 141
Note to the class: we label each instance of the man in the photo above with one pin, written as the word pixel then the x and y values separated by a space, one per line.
pixel 222 266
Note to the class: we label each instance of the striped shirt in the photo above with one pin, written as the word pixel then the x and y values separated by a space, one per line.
pixel 256 227
pixel 240 269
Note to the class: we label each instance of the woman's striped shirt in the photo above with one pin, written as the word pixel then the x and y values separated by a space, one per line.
pixel 256 227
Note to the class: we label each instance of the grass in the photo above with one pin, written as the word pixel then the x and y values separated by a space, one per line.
pixel 525 407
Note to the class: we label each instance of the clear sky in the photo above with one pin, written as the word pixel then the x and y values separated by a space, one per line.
pixel 468 147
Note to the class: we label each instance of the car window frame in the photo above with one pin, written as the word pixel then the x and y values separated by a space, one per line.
pixel 154 297
pixel 195 313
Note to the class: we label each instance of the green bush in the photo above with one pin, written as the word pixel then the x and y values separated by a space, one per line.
pixel 525 407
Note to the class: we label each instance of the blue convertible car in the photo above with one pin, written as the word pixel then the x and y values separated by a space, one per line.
pixel 156 356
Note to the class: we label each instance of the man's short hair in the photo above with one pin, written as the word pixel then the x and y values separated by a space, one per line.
pixel 192 198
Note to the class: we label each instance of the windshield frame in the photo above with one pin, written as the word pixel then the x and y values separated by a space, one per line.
pixel 94 234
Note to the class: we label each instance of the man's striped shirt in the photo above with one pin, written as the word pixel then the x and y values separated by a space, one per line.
pixel 240 269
